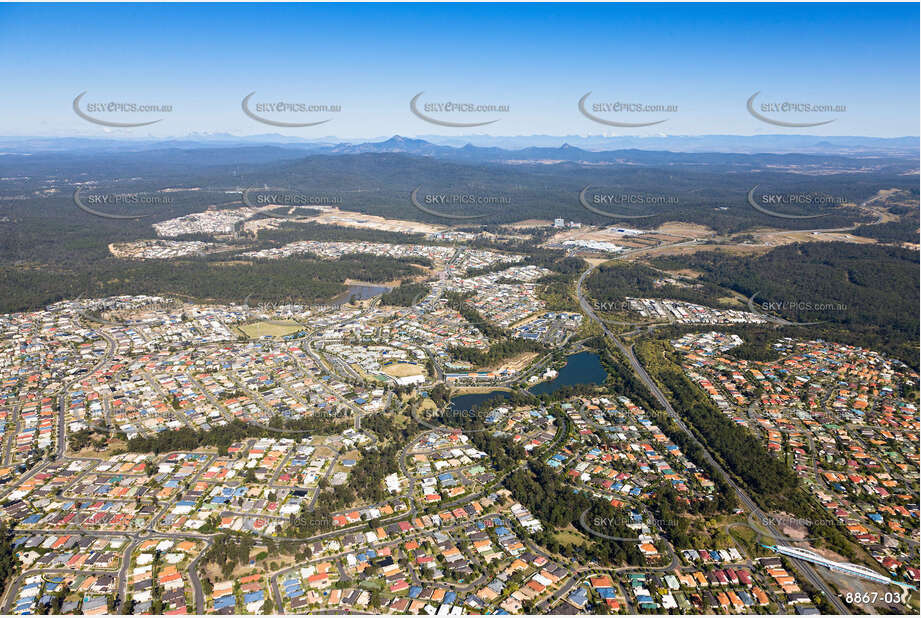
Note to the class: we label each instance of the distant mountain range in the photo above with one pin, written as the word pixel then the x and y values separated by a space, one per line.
pixel 534 148
pixel 567 153
pixel 749 144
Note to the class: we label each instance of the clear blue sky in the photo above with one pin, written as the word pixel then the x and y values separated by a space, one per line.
pixel 538 59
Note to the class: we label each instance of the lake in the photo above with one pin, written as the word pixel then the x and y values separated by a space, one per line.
pixel 581 368
pixel 473 400
pixel 359 292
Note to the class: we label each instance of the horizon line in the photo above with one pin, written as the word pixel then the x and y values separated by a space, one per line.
pixel 425 136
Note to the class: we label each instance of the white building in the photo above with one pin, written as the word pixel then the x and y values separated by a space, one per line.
pixel 410 380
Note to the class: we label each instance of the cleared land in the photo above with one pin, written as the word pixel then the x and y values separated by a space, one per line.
pixel 401 370
pixel 273 328
pixel 347 218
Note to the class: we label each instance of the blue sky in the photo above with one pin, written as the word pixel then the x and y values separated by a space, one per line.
pixel 538 59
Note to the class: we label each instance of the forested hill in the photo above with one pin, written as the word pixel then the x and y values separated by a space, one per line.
pixel 866 295
pixel 543 183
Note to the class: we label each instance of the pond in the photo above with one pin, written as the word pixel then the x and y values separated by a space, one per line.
pixel 581 368
pixel 471 401
pixel 360 292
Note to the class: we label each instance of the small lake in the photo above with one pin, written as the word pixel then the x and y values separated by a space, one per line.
pixel 581 368
pixel 359 292
pixel 474 400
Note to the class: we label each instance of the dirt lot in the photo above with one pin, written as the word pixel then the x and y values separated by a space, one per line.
pixel 278 328
pixel 324 451
pixel 605 234
pixel 686 273
pixel 785 238
pixel 684 230
pixel 688 250
pixel 529 223
pixel 401 370
pixel 517 363
pixel 334 216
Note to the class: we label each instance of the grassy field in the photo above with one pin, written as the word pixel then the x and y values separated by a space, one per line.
pixel 746 537
pixel 275 328
pixel 401 370
pixel 569 537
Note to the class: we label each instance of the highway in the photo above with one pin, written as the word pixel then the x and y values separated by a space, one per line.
pixel 806 570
